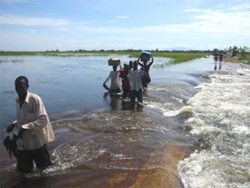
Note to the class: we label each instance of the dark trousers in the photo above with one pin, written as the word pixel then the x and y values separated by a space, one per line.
pixel 136 94
pixel 126 93
pixel 25 159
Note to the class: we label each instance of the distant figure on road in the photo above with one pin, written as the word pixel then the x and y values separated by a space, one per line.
pixel 221 59
pixel 215 60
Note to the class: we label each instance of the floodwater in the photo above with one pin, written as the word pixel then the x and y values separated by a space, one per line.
pixel 192 131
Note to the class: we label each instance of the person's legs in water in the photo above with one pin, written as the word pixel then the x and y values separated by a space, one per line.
pixel 24 161
pixel 132 96
pixel 118 90
pixel 41 157
pixel 126 94
pixel 139 96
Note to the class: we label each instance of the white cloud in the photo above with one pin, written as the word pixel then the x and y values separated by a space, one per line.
pixel 240 7
pixel 36 21
pixel 84 23
pixel 14 1
pixel 32 21
pixel 197 10
pixel 217 21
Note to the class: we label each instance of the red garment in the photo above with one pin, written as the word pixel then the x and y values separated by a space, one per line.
pixel 125 82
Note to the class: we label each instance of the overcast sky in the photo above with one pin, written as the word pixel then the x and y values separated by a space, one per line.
pixel 33 25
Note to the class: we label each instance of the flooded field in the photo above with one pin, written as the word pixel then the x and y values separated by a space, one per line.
pixel 194 123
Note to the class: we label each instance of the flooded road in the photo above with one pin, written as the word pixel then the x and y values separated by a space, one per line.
pixel 103 142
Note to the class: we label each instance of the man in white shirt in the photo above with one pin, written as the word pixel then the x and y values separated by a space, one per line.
pixel 135 81
pixel 34 129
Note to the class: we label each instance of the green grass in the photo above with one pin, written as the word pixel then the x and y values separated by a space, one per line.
pixel 56 54
pixel 246 59
pixel 177 57
pixel 180 57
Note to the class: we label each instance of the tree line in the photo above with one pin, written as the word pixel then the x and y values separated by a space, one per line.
pixel 235 50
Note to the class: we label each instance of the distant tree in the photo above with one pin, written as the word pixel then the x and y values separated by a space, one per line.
pixel 243 51
pixel 235 51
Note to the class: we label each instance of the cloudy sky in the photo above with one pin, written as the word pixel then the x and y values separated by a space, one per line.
pixel 33 25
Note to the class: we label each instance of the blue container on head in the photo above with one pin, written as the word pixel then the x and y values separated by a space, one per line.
pixel 145 55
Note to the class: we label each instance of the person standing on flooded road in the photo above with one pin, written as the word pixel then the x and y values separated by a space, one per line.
pixel 135 81
pixel 125 82
pixel 115 81
pixel 215 60
pixel 34 129
pixel 220 58
pixel 145 57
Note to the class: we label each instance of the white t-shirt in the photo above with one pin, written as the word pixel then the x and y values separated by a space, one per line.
pixel 135 79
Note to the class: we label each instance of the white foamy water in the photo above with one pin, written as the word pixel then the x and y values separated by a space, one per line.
pixel 221 116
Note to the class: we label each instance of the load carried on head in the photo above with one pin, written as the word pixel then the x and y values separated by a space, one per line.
pixel 114 76
pixel 114 62
pixel 145 55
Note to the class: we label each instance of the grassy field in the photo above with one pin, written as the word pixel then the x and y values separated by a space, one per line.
pixel 180 57
pixel 177 57
pixel 239 59
pixel 246 59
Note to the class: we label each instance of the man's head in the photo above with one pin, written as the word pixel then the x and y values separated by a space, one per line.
pixel 22 85
pixel 126 67
pixel 114 67
pixel 135 65
pixel 130 64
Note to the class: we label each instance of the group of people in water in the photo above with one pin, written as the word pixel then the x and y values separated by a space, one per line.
pixel 33 124
pixel 134 80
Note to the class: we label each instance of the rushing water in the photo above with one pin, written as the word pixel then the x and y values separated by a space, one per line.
pixel 221 114
pixel 192 131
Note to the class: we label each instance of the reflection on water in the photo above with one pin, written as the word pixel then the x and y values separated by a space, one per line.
pixel 219 64
pixel 104 142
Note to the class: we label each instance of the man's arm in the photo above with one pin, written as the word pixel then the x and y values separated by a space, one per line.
pixel 108 78
pixel 11 127
pixel 104 83
pixel 151 62
pixel 140 64
pixel 138 60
